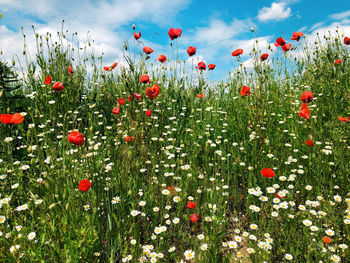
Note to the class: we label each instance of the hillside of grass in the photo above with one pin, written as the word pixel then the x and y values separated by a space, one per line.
pixel 186 170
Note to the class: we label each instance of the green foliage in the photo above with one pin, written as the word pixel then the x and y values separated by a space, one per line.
pixel 10 100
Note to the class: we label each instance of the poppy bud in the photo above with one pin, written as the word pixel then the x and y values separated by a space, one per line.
pixel 133 26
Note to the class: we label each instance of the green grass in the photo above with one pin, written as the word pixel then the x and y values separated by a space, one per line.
pixel 209 150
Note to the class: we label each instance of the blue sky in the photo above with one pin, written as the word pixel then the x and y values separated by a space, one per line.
pixel 216 28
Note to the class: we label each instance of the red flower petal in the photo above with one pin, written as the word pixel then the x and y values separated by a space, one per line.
pixel 264 57
pixel 17 118
pixel 162 58
pixel 211 66
pixel 147 50
pixel 345 119
pixel 268 173
pixel 194 218
pixel 48 80
pixel 245 91
pixel 191 51
pixel 310 142
pixel 307 96
pixel 137 36
pixel 84 185
pixel 174 33
pixel 237 52
pixel 76 138
pixel 116 110
pixel 304 111
pixel 6 118
pixel 191 205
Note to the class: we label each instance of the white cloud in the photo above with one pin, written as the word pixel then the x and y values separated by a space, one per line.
pixel 217 40
pixel 277 12
pixel 219 31
pixel 339 16
pixel 317 35
pixel 317 25
pixel 103 20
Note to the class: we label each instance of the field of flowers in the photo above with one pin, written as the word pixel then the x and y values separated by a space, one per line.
pixel 143 161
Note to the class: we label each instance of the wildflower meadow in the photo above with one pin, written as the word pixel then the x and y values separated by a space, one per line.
pixel 144 160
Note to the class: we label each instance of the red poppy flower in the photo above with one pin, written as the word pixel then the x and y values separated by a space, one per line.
pixel 70 70
pixel 297 36
pixel 129 138
pixel 191 205
pixel 137 96
pixel 264 57
pixel 194 218
pixel 84 185
pixel 245 91
pixel 171 189
pixel 121 101
pixel 286 47
pixel 144 79
pixel 11 119
pixel 201 96
pixel 137 36
pixel 345 119
pixel 130 98
pixel 149 113
pixel 116 110
pixel 76 138
pixel 191 51
pixel 211 66
pixel 307 96
pixel 174 33
pixel 162 58
pixel 327 240
pixel 153 91
pixel 310 142
pixel 347 40
pixel 304 111
pixel 5 118
pixel 48 80
pixel 278 196
pixel 201 66
pixel 111 67
pixel 268 173
pixel 147 50
pixel 338 61
pixel 58 86
pixel 280 42
pixel 17 119
pixel 237 52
